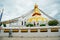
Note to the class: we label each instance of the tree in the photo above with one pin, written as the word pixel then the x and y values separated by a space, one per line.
pixel 53 22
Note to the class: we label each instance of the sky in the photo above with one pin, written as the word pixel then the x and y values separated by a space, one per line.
pixel 16 8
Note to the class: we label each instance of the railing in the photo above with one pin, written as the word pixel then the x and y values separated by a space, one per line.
pixel 32 29
pixel 35 31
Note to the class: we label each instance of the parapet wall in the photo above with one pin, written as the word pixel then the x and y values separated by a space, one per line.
pixel 31 31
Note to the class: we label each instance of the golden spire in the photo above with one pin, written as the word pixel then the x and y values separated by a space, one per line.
pixel 36 10
pixel 35 6
pixel 36 16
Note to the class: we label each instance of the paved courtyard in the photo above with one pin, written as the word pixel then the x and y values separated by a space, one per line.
pixel 30 38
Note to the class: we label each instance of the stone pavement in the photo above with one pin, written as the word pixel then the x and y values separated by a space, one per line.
pixel 30 38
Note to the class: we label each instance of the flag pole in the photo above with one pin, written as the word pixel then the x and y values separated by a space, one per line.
pixel 1 18
pixel 1 15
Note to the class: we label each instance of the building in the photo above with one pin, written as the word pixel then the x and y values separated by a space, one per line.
pixel 35 17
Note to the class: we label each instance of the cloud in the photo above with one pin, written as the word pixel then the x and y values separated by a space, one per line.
pixel 52 9
pixel 16 8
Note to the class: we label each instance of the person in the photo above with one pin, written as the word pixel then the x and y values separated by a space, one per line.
pixel 10 33
pixel 0 29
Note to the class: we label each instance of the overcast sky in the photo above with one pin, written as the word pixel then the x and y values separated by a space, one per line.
pixel 16 8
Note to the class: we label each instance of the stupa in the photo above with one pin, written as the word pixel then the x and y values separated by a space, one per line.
pixel 37 17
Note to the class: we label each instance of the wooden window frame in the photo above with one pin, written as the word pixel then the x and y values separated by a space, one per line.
pixel 33 30
pixel 54 29
pixel 24 30
pixel 43 30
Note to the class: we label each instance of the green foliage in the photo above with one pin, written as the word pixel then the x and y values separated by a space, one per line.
pixel 53 22
pixel 4 25
pixel 42 24
pixel 29 25
pixel 0 24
